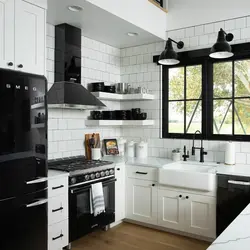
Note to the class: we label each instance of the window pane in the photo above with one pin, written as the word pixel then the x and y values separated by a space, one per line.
pixel 242 78
pixel 194 81
pixel 176 117
pixel 176 83
pixel 242 116
pixel 193 109
pixel 222 123
pixel 222 79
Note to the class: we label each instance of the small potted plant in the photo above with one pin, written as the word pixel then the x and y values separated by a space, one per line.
pixel 176 154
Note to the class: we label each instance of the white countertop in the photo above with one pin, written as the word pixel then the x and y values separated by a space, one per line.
pixel 236 235
pixel 56 174
pixel 145 162
pixel 238 169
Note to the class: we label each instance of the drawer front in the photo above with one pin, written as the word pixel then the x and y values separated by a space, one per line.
pixel 57 187
pixel 58 209
pixel 58 235
pixel 143 173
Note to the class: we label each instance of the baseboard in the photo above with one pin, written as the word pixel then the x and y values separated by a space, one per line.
pixel 115 223
pixel 198 237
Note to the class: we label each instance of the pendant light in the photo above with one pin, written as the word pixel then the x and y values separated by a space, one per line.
pixel 222 48
pixel 169 56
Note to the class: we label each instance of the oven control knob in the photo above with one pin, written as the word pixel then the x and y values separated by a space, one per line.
pixel 73 180
pixel 86 177
pixel 97 175
pixel 106 172
pixel 92 176
pixel 102 174
pixel 111 171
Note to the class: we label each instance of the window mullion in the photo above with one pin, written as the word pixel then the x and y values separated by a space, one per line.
pixel 185 99
pixel 233 93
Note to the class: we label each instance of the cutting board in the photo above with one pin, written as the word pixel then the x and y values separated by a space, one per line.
pixel 87 146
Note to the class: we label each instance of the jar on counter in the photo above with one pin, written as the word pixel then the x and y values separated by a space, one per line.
pixel 142 149
pixel 131 149
pixel 121 145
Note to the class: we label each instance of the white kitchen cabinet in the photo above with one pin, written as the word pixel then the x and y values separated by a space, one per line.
pixel 22 40
pixel 200 215
pixel 40 3
pixel 120 192
pixel 58 211
pixel 7 42
pixel 184 211
pixel 141 200
pixel 30 22
pixel 170 209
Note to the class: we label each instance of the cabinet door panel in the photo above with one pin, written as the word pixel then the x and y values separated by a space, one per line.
pixel 29 38
pixel 141 201
pixel 170 210
pixel 120 192
pixel 200 215
pixel 7 33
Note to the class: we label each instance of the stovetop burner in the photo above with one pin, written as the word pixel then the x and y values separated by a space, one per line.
pixel 76 163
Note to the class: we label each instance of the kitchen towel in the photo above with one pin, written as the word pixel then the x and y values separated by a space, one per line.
pixel 97 204
pixel 230 153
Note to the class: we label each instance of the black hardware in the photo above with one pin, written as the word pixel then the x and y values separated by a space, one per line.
pixel 10 64
pixel 202 152
pixel 180 195
pixel 20 66
pixel 138 172
pixel 187 197
pixel 54 188
pixel 153 185
pixel 185 156
pixel 56 210
pixel 58 237
pixel 118 169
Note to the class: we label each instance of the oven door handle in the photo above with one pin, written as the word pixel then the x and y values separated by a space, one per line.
pixel 80 190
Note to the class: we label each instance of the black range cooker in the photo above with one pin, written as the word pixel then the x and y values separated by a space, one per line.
pixel 83 173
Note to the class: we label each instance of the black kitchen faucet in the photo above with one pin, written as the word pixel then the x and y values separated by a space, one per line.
pixel 202 152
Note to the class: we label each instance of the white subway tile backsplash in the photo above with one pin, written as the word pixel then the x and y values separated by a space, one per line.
pixel 189 32
pixel 245 33
pixel 218 26
pixel 241 158
pixel 230 24
pixel 194 41
pixel 209 28
pixel 199 30
pixel 240 23
pixel 203 40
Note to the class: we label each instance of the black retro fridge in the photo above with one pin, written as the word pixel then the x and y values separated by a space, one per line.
pixel 23 161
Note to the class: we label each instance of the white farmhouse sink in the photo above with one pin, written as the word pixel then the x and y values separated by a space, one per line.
pixel 188 175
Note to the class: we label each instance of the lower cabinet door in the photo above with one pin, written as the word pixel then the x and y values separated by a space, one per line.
pixel 58 236
pixel 141 198
pixel 200 215
pixel 170 210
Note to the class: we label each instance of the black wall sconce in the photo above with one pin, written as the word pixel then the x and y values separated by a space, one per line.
pixel 169 56
pixel 222 48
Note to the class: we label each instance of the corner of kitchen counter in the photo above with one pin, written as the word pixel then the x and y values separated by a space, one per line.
pixel 54 174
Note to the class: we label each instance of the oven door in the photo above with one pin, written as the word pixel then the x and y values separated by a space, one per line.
pixel 81 221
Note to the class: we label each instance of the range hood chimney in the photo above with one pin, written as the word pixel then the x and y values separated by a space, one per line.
pixel 67 91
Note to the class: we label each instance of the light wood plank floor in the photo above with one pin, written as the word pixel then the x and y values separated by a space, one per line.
pixel 132 237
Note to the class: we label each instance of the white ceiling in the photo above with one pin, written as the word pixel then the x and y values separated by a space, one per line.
pixel 98 24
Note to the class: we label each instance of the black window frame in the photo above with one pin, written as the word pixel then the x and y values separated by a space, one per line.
pixel 189 58
pixel 160 2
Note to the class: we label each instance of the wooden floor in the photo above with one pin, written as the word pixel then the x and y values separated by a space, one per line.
pixel 132 237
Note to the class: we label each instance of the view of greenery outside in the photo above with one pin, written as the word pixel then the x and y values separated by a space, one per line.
pixel 224 97
pixel 191 102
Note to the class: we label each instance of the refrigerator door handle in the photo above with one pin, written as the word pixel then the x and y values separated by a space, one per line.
pixel 38 180
pixel 37 203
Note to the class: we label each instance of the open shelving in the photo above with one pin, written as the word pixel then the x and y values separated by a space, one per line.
pixel 119 123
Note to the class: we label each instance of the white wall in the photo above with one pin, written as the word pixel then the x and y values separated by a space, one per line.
pixel 138 12
pixel 100 62
pixel 138 69
pixel 185 13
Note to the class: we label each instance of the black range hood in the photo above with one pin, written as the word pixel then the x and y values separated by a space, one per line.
pixel 67 91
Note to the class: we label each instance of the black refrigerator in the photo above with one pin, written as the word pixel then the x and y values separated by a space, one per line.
pixel 23 161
